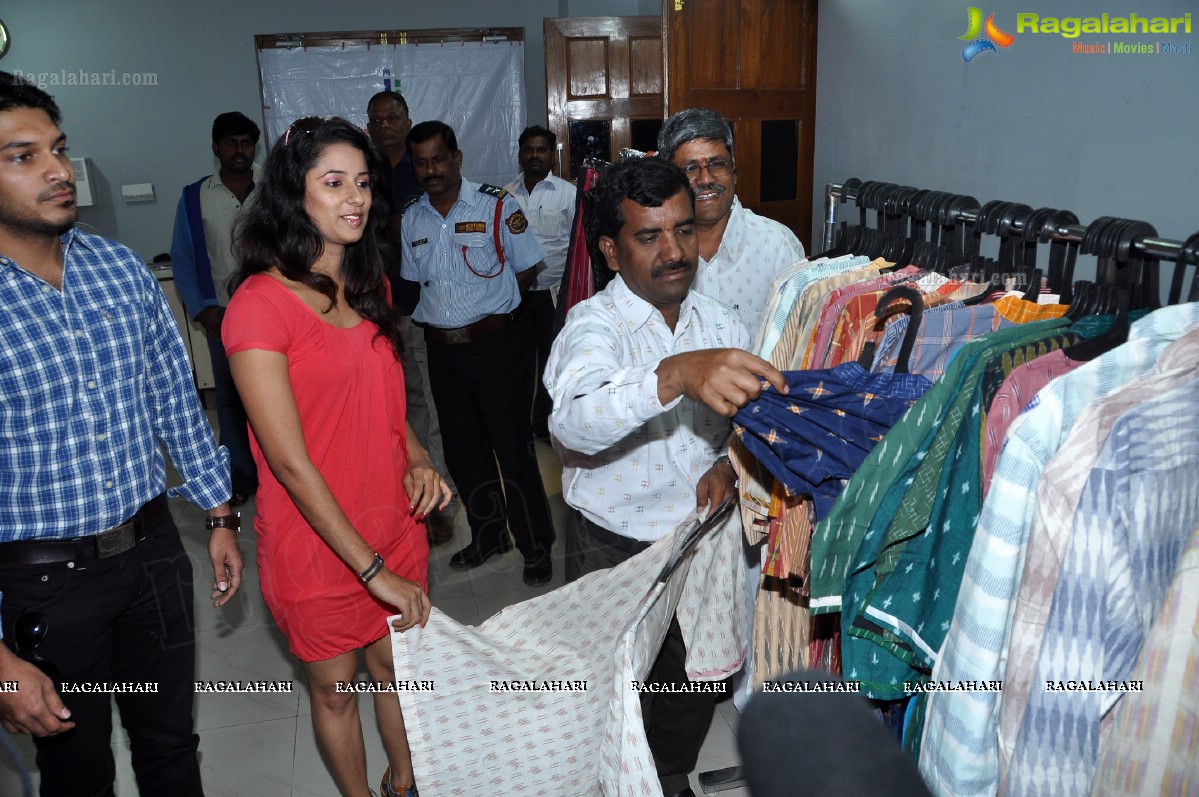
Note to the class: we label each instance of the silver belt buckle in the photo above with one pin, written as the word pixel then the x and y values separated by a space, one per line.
pixel 116 541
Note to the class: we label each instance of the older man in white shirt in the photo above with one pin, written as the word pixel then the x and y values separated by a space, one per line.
pixel 739 251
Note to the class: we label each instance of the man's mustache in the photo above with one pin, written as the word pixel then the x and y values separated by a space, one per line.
pixel 665 268
pixel 56 189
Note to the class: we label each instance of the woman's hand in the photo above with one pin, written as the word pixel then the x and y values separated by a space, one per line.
pixel 409 600
pixel 426 489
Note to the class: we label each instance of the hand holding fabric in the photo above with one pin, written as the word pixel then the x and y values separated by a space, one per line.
pixel 411 602
pixel 724 379
pixel 717 484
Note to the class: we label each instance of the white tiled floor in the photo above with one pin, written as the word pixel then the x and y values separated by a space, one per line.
pixel 263 745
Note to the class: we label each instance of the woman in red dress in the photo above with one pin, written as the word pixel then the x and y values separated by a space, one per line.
pixel 345 485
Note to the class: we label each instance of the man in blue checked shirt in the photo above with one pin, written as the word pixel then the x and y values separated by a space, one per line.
pixel 95 586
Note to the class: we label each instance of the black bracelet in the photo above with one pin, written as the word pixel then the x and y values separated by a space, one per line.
pixel 376 565
pixel 725 459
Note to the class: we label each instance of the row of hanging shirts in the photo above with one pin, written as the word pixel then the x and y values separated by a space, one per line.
pixel 979 495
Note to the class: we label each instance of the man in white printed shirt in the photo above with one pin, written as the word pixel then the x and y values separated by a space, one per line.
pixel 549 204
pixel 739 251
pixel 644 377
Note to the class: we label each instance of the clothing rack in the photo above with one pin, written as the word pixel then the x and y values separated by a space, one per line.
pixel 838 193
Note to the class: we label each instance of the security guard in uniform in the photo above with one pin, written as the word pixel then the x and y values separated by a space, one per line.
pixel 470 248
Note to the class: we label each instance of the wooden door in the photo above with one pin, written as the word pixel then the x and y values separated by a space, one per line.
pixel 754 61
pixel 603 78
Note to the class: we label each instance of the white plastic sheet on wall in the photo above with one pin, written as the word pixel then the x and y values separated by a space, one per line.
pixel 478 89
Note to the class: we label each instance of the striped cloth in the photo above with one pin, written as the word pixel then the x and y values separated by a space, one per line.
pixel 959 748
pixel 1058 495
pixel 1134 517
pixel 1154 740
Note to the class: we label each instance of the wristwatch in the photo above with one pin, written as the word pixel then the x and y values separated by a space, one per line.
pixel 230 521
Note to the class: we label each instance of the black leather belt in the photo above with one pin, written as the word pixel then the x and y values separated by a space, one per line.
pixel 584 525
pixel 469 332
pixel 112 542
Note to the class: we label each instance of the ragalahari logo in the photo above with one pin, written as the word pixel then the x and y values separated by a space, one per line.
pixel 976 44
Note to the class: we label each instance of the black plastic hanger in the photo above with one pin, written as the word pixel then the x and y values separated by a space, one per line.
pixel 1032 291
pixel 924 233
pixel 1192 245
pixel 916 300
pixel 1140 271
pixel 1062 254
pixel 861 232
pixel 988 217
pixel 1087 299
pixel 871 235
pixel 974 244
pixel 1186 257
pixel 1013 216
pixel 913 229
pixel 951 215
pixel 1030 233
pixel 1101 344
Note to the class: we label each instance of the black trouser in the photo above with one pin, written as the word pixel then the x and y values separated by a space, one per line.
pixel 481 393
pixel 675 723
pixel 536 320
pixel 231 418
pixel 125 619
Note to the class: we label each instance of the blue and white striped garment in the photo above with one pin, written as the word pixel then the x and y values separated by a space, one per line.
pixel 92 377
pixel 787 287
pixel 1136 513
pixel 943 331
pixel 959 748
pixel 455 260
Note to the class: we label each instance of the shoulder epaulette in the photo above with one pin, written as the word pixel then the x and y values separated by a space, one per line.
pixel 495 191
pixel 409 202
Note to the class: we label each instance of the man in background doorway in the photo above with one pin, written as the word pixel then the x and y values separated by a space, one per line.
pixel 388 124
pixel 202 261
pixel 549 203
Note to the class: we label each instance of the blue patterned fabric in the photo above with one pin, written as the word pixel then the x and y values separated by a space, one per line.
pixel 1133 520
pixel 817 434
pixel 92 377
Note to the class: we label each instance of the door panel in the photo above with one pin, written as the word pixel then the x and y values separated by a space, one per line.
pixel 601 73
pixel 754 61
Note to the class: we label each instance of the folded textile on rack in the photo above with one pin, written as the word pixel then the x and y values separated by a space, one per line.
pixel 819 432
pixel 539 699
